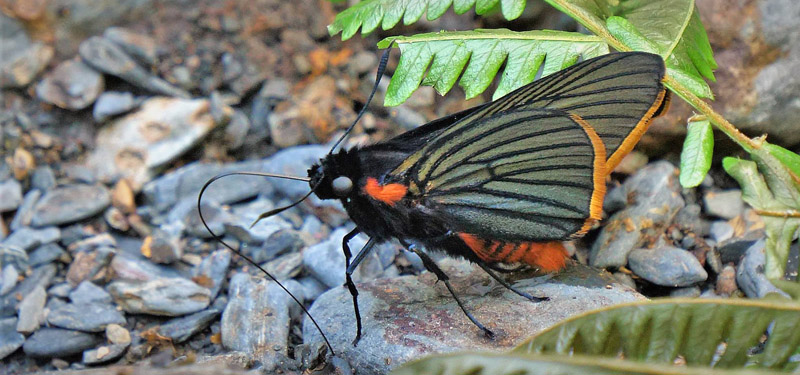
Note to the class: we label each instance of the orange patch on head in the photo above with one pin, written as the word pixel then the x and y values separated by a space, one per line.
pixel 389 193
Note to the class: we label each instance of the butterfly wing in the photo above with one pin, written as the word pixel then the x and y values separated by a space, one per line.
pixel 532 174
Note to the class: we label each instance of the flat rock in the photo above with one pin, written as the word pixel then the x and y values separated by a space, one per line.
pixel 47 253
pixel 295 161
pixel 15 257
pixel 137 268
pixel 57 342
pixel 256 319
pixel 112 103
pixel 27 238
pixel 90 265
pixel 43 178
pixel 10 195
pixel 325 260
pixel 31 310
pixel 136 146
pixel 655 196
pixel 181 329
pixel 22 59
pixel 667 266
pixel 8 278
pixel 87 317
pixel 71 85
pixel 724 204
pixel 247 214
pixel 165 297
pixel 89 292
pixel 117 334
pixel 10 339
pixel 41 276
pixel 25 212
pixel 162 247
pixel 103 354
pixel 214 269
pixel 411 316
pixel 70 203
pixel 139 46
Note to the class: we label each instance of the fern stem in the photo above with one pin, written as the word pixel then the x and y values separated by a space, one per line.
pixel 747 143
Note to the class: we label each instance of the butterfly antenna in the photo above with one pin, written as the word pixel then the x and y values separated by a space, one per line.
pixel 381 69
pixel 248 259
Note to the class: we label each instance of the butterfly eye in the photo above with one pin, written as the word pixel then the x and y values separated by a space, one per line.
pixel 342 186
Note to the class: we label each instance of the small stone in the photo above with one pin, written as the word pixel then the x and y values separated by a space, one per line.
pixel 78 173
pixel 47 253
pixel 103 354
pixel 10 339
pixel 112 103
pixel 667 266
pixel 214 269
pixel 87 292
pixel 15 257
pixel 164 297
pixel 279 243
pixel 750 276
pixel 41 276
pixel 116 219
pixel 140 144
pixel 66 204
pixel 237 129
pixel 71 85
pixel 256 318
pixel 89 265
pixel 22 59
pixel 615 199
pixel 654 192
pixel 94 242
pixel 632 162
pixel 183 328
pixel 285 266
pixel 247 214
pixel 31 311
pixel 685 292
pixel 724 204
pixel 10 195
pixel 325 260
pixel 117 334
pixel 60 290
pixel 25 212
pixel 122 197
pixel 688 218
pixel 161 247
pixel 139 46
pixel 88 317
pixel 726 281
pixel 57 342
pixel 312 288
pixel 22 163
pixel 43 178
pixel 137 268
pixel 8 279
pixel 28 238
pixel 721 231
pixel 107 57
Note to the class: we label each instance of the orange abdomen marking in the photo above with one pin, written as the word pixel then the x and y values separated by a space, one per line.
pixel 547 256
pixel 389 193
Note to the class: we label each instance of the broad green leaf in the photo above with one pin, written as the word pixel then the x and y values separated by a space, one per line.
pixel 517 364
pixel 698 149
pixel 662 331
pixel 480 54
pixel 670 28
pixel 760 193
pixel 781 181
pixel 368 14
pixel 786 157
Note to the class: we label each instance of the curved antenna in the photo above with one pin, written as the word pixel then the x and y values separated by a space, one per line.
pixel 381 69
pixel 248 259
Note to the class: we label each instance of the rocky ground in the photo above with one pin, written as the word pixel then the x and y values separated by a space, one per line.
pixel 115 113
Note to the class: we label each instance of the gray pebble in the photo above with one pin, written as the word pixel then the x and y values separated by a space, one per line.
pixel 183 328
pixel 46 253
pixel 137 268
pixel 721 231
pixel 10 195
pixel 14 256
pixel 750 274
pixel 41 276
pixel 667 266
pixel 29 238
pixel 60 290
pixel 103 354
pixel 8 278
pixel 117 334
pixel 312 288
pixel 43 178
pixel 139 46
pixel 89 265
pixel 22 59
pixel 31 311
pixel 79 173
pixel 10 339
pixel 92 243
pixel 246 214
pixel 279 243
pixel 688 218
pixel 215 268
pixel 615 199
pixel 112 103
pixel 25 212
pixel 724 204
pixel 163 248
pixel 164 297
pixel 655 198
pixel 88 292
pixel 685 292
pixel 70 203
pixel 71 85
pixel 245 326
pixel 88 317
pixel 57 342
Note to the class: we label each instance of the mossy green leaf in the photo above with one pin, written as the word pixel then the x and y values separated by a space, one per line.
pixel 698 150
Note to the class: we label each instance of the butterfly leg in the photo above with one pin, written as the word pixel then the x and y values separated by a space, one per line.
pixel 431 266
pixel 349 280
pixel 507 285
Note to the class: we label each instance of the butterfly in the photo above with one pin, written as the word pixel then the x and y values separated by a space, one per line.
pixel 504 182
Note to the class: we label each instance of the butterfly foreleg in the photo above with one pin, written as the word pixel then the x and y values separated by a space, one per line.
pixel 349 280
pixel 508 286
pixel 431 266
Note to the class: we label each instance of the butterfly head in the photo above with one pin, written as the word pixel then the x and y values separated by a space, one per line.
pixel 334 176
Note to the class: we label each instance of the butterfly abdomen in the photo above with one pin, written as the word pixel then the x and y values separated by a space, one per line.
pixel 547 256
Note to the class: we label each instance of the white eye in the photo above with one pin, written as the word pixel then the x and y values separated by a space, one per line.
pixel 342 186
